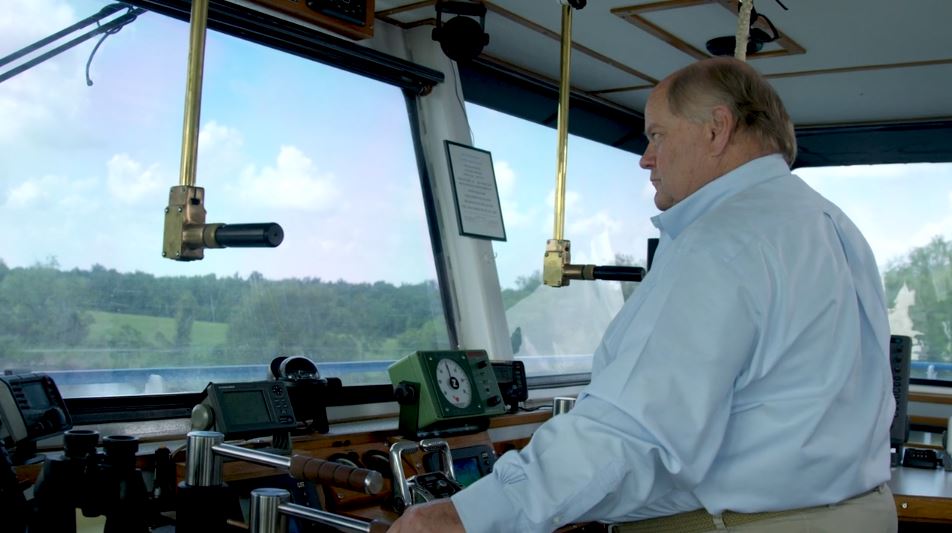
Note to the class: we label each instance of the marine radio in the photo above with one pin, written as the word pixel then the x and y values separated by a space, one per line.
pixel 31 409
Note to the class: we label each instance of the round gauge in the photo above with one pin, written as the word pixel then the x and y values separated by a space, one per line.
pixel 454 383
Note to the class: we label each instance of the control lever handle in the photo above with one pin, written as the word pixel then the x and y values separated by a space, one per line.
pixel 425 486
pixel 611 272
pixel 441 446
pixel 307 468
pixel 259 235
pixel 618 273
pixel 304 467
pixel 269 507
pixel 401 487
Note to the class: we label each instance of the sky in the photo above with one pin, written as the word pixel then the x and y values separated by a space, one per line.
pixel 85 170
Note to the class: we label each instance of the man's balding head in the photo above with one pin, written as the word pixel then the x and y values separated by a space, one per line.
pixel 696 89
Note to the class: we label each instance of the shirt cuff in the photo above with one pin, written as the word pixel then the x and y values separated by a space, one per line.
pixel 483 506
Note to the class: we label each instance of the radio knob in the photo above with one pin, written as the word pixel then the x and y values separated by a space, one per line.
pixel 54 418
pixel 405 394
pixel 203 417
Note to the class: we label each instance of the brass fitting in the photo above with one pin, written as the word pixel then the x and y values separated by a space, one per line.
pixel 186 235
pixel 557 257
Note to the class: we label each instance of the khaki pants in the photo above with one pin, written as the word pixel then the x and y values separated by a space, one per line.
pixel 873 512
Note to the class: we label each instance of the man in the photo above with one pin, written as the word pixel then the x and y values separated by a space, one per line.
pixel 745 385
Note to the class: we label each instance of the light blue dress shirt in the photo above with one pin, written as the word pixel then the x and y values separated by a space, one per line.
pixel 748 372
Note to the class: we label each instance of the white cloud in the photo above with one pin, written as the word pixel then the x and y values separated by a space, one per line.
pixel 929 231
pixel 221 155
pixel 34 104
pixel 865 172
pixel 292 182
pixel 215 137
pixel 128 182
pixel 50 192
pixel 572 199
pixel 599 222
pixel 25 21
pixel 24 195
pixel 514 216
pixel 505 178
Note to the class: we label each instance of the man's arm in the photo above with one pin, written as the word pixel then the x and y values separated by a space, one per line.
pixel 650 423
pixel 432 517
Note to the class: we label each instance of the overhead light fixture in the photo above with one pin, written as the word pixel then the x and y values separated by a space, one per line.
pixel 724 46
pixel 462 37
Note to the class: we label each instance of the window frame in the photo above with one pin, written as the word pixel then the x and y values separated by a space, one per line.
pixel 283 36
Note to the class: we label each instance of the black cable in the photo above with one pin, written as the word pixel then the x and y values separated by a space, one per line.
pixel 104 28
pixel 89 82
pixel 103 13
pixel 134 13
pixel 536 408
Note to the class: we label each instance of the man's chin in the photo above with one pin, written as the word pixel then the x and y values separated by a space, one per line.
pixel 663 202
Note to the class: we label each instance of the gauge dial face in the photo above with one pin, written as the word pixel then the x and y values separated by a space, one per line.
pixel 454 383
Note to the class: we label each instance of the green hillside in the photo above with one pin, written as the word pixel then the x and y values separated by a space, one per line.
pixel 204 334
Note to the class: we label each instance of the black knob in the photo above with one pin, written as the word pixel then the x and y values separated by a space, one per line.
pixel 405 393
pixel 493 401
pixel 54 418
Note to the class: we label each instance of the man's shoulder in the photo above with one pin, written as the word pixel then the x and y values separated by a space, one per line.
pixel 764 215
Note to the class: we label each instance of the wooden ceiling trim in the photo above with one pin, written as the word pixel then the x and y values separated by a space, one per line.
pixel 531 74
pixel 385 13
pixel 859 68
pixel 622 89
pixel 790 46
pixel 660 33
pixel 522 21
pixel 633 15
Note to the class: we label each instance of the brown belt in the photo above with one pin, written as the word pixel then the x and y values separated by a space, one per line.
pixel 697 521
pixel 700 520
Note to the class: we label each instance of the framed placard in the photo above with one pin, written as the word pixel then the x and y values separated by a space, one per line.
pixel 474 188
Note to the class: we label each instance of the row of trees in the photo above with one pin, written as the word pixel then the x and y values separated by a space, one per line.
pixel 927 273
pixel 47 310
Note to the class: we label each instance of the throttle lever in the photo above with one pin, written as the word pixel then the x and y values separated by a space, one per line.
pixel 426 486
pixel 304 467
pixel 440 445
pixel 308 468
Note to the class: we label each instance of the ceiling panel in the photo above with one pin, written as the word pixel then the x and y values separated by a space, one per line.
pixel 845 76
pixel 884 95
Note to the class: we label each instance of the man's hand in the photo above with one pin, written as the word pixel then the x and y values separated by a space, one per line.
pixel 438 516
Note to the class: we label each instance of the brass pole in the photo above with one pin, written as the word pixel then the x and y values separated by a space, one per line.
pixel 193 92
pixel 563 123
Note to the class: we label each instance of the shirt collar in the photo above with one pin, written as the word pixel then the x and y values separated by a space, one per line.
pixel 754 172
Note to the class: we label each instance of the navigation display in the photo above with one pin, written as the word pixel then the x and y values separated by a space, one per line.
pixel 245 407
pixel 466 470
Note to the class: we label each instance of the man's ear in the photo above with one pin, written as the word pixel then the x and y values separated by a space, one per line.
pixel 721 129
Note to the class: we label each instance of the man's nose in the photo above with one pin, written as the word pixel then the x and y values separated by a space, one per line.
pixel 648 159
